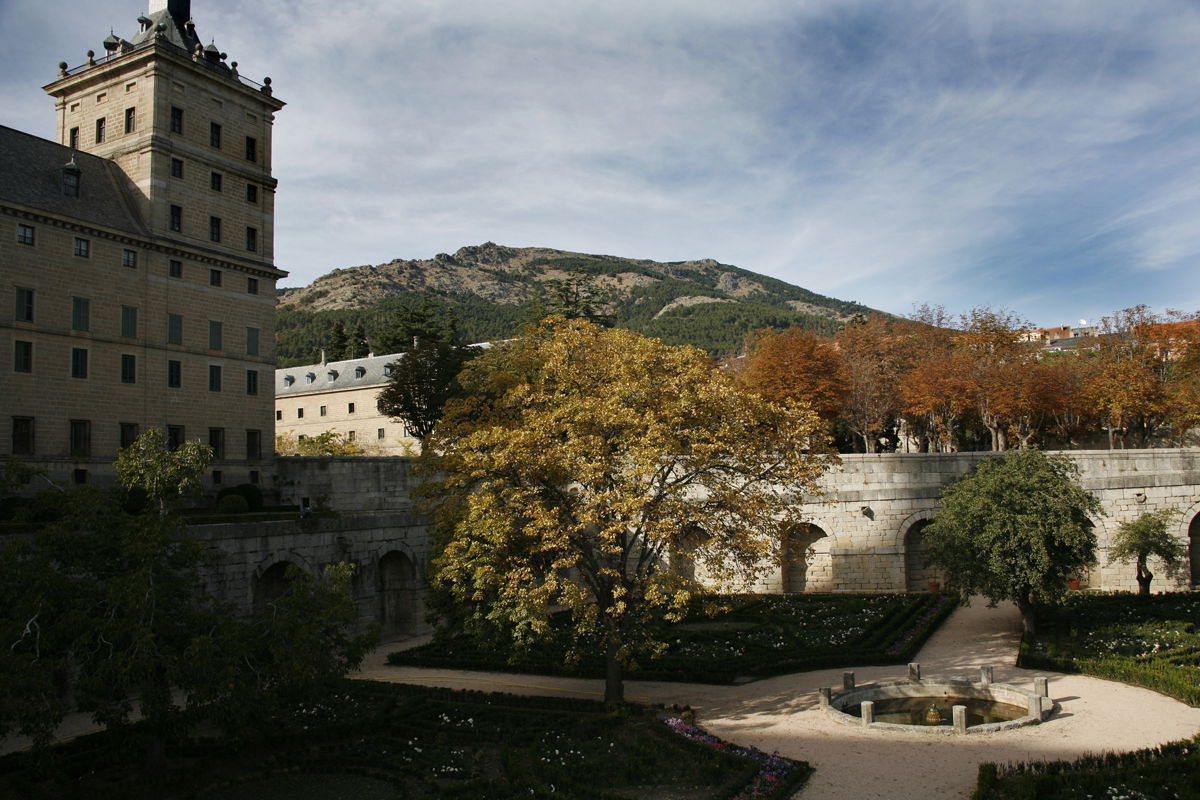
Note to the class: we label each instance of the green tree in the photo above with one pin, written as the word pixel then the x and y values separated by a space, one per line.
pixel 357 346
pixel 423 379
pixel 1143 537
pixel 326 443
pixel 336 349
pixel 163 474
pixel 580 458
pixel 1014 528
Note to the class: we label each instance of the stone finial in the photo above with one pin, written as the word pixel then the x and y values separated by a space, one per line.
pixel 266 87
pixel 914 672
pixel 867 711
pixel 958 715
pixel 62 69
pixel 1041 687
pixel 824 695
pixel 986 675
pixel 847 681
pixel 91 56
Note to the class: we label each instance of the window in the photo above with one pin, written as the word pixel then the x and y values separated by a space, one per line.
pixel 70 182
pixel 81 437
pixel 100 130
pixel 129 432
pixel 251 149
pixel 177 218
pixel 350 408
pixel 129 258
pixel 214 135
pixel 251 341
pixel 214 378
pixel 81 313
pixel 130 119
pixel 379 433
pixel 174 374
pixel 214 277
pixel 175 436
pixel 217 476
pixel 278 414
pixel 128 369
pixel 214 229
pixel 129 322
pixel 176 120
pixel 251 381
pixel 24 309
pixel 214 335
pixel 253 445
pixel 174 328
pixel 299 413
pixel 176 167
pixel 73 139
pixel 214 181
pixel 322 411
pixel 22 356
pixel 83 247
pixel 175 268
pixel 22 436
pixel 79 476
pixel 251 285
pixel 252 239
pixel 79 362
pixel 251 193
pixel 24 234
pixel 216 440
pixel 350 436
pixel 254 476
pixel 360 372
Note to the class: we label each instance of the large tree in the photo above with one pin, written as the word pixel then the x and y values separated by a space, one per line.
pixel 582 457
pixel 1015 528
pixel 797 365
pixel 1147 536
pixel 423 379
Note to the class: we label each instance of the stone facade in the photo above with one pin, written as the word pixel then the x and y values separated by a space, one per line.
pixel 138 285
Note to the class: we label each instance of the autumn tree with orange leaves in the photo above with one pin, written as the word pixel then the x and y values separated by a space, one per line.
pixel 796 365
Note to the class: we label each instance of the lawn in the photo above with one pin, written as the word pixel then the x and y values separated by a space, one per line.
pixel 725 639
pixel 1146 641
pixel 371 740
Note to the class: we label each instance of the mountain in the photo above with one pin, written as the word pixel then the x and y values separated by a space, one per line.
pixel 489 289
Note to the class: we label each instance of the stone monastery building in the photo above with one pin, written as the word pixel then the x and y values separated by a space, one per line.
pixel 138 285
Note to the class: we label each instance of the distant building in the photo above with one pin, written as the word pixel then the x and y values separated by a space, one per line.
pixel 138 284
pixel 341 396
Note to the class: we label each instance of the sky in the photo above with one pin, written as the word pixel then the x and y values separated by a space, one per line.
pixel 1042 157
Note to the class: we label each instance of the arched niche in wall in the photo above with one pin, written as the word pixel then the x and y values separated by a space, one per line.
pixel 917 572
pixel 807 564
pixel 399 594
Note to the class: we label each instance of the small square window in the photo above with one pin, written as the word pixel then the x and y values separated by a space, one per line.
pixel 216 440
pixel 253 446
pixel 22 436
pixel 129 258
pixel 299 413
pixel 79 476
pixel 83 247
pixel 251 285
pixel 175 268
pixel 70 182
pixel 379 433
pixel 215 330
pixel 100 130
pixel 175 436
pixel 24 234
pixel 128 369
pixel 251 381
pixel 214 135
pixel 81 314
pixel 214 378
pixel 351 436
pixel 251 149
pixel 79 362
pixel 24 307
pixel 81 437
pixel 251 193
pixel 217 477
pixel 130 119
pixel 214 229
pixel 252 239
pixel 177 218
pixel 129 433
pixel 322 411
pixel 174 374
pixel 251 341
pixel 176 167
pixel 176 120
pixel 350 408
pixel 22 356
pixel 214 277
pixel 215 181
pixel 73 139
pixel 174 329
pixel 278 414
pixel 129 322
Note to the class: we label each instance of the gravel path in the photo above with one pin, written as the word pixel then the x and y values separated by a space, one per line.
pixel 856 764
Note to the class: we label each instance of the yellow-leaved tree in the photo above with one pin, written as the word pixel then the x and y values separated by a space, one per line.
pixel 580 459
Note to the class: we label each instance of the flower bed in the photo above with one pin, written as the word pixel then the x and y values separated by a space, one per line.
pixel 1147 641
pixel 776 776
pixel 750 636
pixel 1169 772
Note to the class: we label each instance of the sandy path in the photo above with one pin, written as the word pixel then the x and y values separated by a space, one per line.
pixel 856 764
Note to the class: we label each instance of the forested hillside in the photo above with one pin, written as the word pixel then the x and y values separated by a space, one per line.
pixel 486 292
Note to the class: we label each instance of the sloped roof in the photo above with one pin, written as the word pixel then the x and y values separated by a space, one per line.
pixel 31 174
pixel 354 373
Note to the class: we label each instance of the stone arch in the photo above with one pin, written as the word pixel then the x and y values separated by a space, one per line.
pixel 918 575
pixel 1189 534
pixel 807 562
pixel 398 590
pixel 681 554
pixel 270 580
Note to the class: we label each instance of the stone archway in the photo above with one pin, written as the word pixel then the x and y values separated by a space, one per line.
pixel 807 563
pixel 917 573
pixel 1194 550
pixel 271 584
pixel 399 596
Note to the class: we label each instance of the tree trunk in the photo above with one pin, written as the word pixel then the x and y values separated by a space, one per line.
pixel 1144 576
pixel 1028 617
pixel 868 443
pixel 614 687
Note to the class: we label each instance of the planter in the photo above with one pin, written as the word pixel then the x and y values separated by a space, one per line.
pixel 1073 584
pixel 935 586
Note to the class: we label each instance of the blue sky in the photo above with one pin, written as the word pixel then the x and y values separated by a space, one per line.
pixel 1043 157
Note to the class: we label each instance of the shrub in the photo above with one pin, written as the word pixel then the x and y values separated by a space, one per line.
pixel 252 494
pixel 233 504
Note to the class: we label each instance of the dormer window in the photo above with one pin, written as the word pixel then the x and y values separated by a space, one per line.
pixel 70 179
pixel 289 380
pixel 360 372
pixel 310 377
pixel 387 370
pixel 333 373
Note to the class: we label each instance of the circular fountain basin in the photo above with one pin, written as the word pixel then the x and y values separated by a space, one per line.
pixel 906 706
